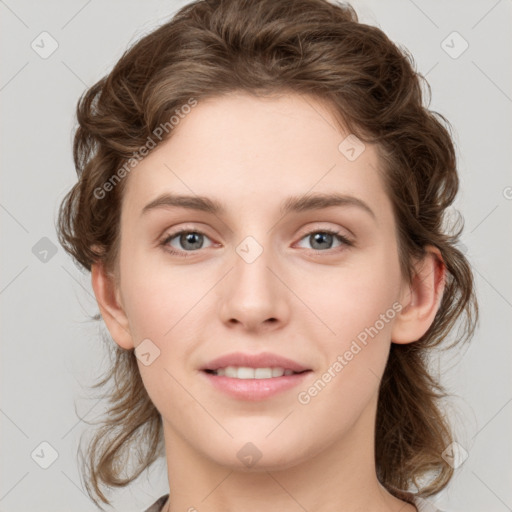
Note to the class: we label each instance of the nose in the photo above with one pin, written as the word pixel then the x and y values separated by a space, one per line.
pixel 253 296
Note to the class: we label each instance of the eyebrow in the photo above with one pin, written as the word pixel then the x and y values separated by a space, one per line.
pixel 291 204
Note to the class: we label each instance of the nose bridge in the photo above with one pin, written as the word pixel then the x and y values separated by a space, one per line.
pixel 251 294
pixel 253 257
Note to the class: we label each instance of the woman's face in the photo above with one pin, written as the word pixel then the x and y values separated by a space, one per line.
pixel 260 275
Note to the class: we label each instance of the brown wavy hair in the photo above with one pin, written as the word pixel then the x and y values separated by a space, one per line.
pixel 307 47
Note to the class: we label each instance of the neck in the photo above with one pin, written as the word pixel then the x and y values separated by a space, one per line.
pixel 342 473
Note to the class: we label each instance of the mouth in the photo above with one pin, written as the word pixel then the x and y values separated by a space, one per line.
pixel 246 372
pixel 252 377
pixel 244 383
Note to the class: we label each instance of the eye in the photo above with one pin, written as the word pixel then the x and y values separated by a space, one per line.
pixel 322 240
pixel 190 241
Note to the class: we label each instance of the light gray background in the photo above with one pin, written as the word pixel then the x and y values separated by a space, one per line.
pixel 50 350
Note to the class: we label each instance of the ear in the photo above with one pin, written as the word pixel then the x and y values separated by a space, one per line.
pixel 421 298
pixel 109 302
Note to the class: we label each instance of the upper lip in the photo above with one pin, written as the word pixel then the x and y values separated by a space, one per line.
pixel 263 360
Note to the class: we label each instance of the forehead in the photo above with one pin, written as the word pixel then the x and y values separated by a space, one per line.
pixel 250 152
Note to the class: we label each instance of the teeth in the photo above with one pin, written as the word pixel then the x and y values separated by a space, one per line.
pixel 243 372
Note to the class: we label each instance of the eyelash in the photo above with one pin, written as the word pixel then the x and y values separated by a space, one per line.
pixel 184 254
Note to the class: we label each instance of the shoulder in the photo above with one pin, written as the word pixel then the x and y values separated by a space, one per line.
pixel 423 505
pixel 159 503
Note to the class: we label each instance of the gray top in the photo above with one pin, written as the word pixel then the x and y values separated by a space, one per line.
pixel 420 503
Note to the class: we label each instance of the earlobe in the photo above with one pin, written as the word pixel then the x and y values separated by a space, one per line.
pixel 422 299
pixel 111 309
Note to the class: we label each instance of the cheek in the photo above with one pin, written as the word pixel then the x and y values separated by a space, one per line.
pixel 357 304
pixel 353 297
pixel 154 296
pixel 160 304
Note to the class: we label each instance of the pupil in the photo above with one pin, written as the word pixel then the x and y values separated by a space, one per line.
pixel 189 239
pixel 321 237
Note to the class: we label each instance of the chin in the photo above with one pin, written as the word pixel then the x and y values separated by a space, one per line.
pixel 257 451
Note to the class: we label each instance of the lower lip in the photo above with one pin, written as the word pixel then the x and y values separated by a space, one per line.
pixel 254 389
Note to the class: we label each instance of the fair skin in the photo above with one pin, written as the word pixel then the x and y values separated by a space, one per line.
pixel 301 300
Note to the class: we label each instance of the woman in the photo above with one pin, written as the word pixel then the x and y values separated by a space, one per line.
pixel 214 161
